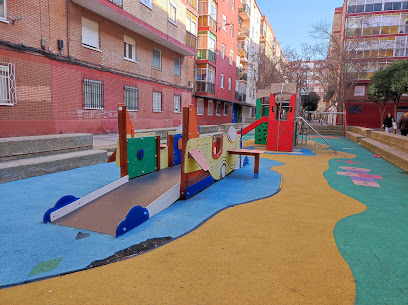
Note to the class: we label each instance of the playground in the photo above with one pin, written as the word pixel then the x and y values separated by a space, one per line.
pixel 310 226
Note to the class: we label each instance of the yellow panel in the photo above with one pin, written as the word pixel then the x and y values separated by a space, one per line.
pixel 146 134
pixel 117 155
pixel 205 145
pixel 164 158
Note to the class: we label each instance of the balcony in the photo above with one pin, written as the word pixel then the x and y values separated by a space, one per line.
pixel 244 55
pixel 113 11
pixel 245 12
pixel 241 97
pixel 238 71
pixel 191 40
pixel 117 2
pixel 240 93
pixel 205 80
pixel 240 22
pixel 207 21
pixel 206 55
pixel 205 87
pixel 193 3
pixel 243 34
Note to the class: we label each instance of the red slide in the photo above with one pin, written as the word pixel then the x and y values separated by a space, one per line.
pixel 255 124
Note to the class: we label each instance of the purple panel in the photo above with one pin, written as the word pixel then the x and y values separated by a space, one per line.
pixel 362 179
pixel 356 172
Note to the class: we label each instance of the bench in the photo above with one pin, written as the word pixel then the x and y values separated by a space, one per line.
pixel 249 152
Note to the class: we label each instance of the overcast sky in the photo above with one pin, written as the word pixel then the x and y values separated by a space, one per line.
pixel 291 20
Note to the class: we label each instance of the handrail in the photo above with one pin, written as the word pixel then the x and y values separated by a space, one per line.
pixel 310 126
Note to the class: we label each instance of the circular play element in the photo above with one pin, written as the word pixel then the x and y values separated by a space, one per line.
pixel 232 134
pixel 223 171
pixel 140 154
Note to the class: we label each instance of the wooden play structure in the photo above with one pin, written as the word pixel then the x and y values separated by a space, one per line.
pixel 153 176
pixel 275 121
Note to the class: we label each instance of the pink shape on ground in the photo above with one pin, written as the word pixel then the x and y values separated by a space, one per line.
pixel 350 162
pixel 371 176
pixel 348 174
pixel 366 183
pixel 198 156
pixel 326 137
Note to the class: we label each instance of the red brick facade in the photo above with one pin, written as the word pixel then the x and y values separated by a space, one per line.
pixel 50 83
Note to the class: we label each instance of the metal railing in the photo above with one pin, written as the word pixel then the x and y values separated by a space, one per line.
pixel 205 86
pixel 245 9
pixel 244 32
pixel 117 2
pixel 301 119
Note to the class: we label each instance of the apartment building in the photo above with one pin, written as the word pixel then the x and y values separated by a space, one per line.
pixel 313 82
pixel 375 32
pixel 65 65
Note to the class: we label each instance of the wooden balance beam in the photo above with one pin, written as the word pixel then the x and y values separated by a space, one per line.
pixel 249 152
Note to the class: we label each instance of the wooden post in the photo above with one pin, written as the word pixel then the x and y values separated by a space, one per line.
pixel 158 152
pixel 170 145
pixel 256 166
pixel 122 140
pixel 183 182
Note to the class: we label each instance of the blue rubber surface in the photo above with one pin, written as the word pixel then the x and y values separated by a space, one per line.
pixel 26 242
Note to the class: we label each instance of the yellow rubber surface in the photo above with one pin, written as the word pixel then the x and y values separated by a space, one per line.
pixel 280 250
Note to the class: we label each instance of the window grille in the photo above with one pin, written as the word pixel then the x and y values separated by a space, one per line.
pixel 7 84
pixel 131 98
pixel 93 94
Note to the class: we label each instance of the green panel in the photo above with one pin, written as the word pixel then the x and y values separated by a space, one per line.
pixel 266 111
pixel 261 134
pixel 148 164
pixel 258 109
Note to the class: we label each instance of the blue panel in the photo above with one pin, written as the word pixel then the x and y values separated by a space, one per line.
pixel 136 216
pixel 177 152
pixel 246 161
pixel 199 186
pixel 63 201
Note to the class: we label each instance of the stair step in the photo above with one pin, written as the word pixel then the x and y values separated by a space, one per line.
pixel 389 153
pixel 355 137
pixel 37 166
pixel 33 146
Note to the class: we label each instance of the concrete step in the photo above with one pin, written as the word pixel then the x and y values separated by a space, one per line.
pixel 355 137
pixel 389 153
pixel 328 132
pixel 33 146
pixel 390 139
pixel 37 166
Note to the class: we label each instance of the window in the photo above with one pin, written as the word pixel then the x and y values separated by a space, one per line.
pixel 7 84
pixel 359 91
pixel 191 23
pixel 233 5
pixel 148 3
pixel 210 110
pixel 3 9
pixel 157 59
pixel 177 66
pixel 129 48
pixel 200 106
pixel 176 103
pixel 93 94
pixel 232 30
pixel 222 80
pixel 157 102
pixel 90 33
pixel 218 110
pixel 229 83
pixel 231 58
pixel 223 51
pixel 226 108
pixel 131 98
pixel 224 22
pixel 172 12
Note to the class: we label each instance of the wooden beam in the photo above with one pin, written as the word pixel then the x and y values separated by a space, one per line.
pixel 122 118
pixel 183 182
pixel 158 152
pixel 170 145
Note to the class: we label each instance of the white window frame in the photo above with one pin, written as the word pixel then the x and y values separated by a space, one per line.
pixel 4 19
pixel 210 108
pixel 159 59
pixel 156 95
pixel 200 106
pixel 223 51
pixel 176 103
pixel 232 30
pixel 133 96
pixel 8 79
pixel 222 80
pixel 226 109
pixel 216 109
pixel 98 85
pixel 179 66
pixel 233 5
pixel 231 58
pixel 224 22
pixel 172 6
pixel 90 27
pixel 229 83
pixel 128 41
pixel 147 3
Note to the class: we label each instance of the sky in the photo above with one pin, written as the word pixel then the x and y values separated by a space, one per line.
pixel 291 20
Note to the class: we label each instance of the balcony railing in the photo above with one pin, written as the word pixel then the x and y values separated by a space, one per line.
pixel 204 86
pixel 117 2
pixel 240 96
pixel 193 3
pixel 244 32
pixel 237 71
pixel 244 55
pixel 240 22
pixel 206 54
pixel 191 40
pixel 207 20
pixel 378 30
pixel 245 9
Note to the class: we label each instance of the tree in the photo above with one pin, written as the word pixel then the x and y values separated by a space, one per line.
pixel 399 81
pixel 310 101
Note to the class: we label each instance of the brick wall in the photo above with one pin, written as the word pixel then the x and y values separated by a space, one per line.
pixel 214 119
